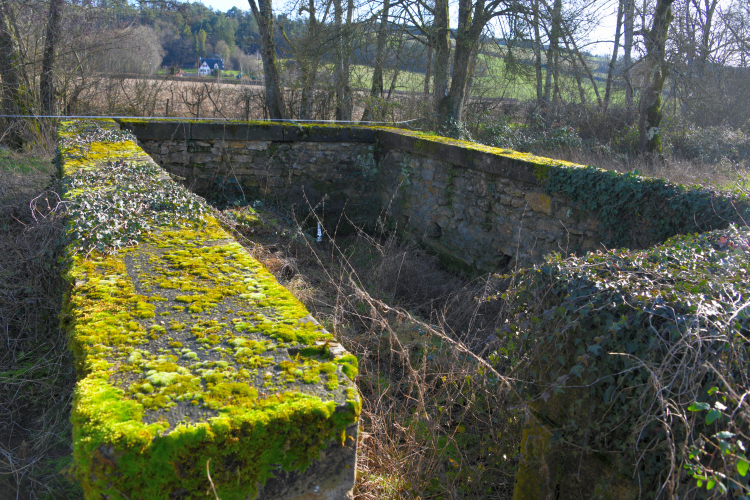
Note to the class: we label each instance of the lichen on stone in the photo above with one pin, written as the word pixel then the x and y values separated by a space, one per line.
pixel 186 347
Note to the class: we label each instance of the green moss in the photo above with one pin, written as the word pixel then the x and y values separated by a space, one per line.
pixel 166 397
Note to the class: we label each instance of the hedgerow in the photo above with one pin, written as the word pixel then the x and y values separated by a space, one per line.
pixel 638 360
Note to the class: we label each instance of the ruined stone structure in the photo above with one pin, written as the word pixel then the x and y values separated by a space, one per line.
pixel 196 369
pixel 191 358
pixel 478 208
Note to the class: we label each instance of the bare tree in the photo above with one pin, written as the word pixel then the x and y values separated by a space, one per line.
pixel 263 14
pixel 10 60
pixel 46 82
pixel 657 68
pixel 616 47
pixel 343 38
pixel 627 48
pixel 377 88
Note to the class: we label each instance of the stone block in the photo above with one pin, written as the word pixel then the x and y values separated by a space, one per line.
pixel 257 145
pixel 192 357
pixel 539 202
pixel 294 132
pixel 157 129
pixel 548 226
pixel 237 131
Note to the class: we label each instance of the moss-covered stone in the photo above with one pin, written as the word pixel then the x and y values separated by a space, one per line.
pixel 188 350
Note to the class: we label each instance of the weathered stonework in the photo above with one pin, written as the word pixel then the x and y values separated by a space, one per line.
pixel 190 356
pixel 475 208
pixel 484 220
pixel 300 173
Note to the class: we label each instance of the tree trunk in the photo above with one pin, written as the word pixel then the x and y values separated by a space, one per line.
pixel 586 69
pixel 46 79
pixel 548 74
pixel 428 68
pixel 347 101
pixel 343 58
pixel 705 49
pixel 377 87
pixel 11 67
pixel 553 57
pixel 615 49
pixel 263 14
pixel 650 108
pixel 538 53
pixel 343 50
pixel 451 107
pixel 308 64
pixel 628 29
pixel 14 79
pixel 442 46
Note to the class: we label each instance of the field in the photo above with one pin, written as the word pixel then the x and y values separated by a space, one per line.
pixel 211 98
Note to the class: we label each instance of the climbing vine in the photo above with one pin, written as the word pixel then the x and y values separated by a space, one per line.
pixel 137 197
pixel 640 358
pixel 638 211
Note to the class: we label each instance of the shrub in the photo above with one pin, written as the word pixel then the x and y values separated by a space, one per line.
pixel 502 134
pixel 638 360
pixel 710 144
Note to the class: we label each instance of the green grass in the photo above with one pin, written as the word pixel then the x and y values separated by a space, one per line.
pixel 492 79
pixel 23 164
pixel 410 81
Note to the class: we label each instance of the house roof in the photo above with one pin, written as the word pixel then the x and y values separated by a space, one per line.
pixel 212 61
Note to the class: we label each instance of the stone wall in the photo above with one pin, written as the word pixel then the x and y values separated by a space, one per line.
pixel 475 218
pixel 188 352
pixel 314 172
pixel 478 208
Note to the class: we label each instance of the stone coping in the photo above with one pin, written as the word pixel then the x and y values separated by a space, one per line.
pixel 187 349
pixel 505 162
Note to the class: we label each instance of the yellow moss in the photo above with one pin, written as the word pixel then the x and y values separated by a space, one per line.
pixel 132 377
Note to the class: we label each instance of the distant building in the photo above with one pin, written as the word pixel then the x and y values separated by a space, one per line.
pixel 208 64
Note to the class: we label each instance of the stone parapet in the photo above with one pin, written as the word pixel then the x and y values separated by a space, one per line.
pixel 479 208
pixel 191 358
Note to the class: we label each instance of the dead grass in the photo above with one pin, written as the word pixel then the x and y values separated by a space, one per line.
pixel 36 375
pixel 722 174
pixel 437 421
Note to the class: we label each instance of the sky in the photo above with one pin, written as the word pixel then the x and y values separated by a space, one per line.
pixel 225 5
pixel 604 31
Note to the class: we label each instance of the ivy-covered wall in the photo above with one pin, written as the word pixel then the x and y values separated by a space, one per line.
pixel 485 208
pixel 477 207
pixel 190 356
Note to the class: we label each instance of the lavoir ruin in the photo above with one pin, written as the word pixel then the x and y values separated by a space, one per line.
pixel 193 361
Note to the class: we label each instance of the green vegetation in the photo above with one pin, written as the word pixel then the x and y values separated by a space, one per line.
pixel 23 164
pixel 204 352
pixel 434 422
pixel 36 375
pixel 165 396
pixel 637 365
pixel 638 211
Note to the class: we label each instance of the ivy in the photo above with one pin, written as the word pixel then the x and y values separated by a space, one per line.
pixel 643 356
pixel 112 206
pixel 638 211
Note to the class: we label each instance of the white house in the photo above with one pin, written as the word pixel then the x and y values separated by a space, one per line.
pixel 208 64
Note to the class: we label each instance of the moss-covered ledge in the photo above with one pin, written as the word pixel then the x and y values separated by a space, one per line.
pixel 189 354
